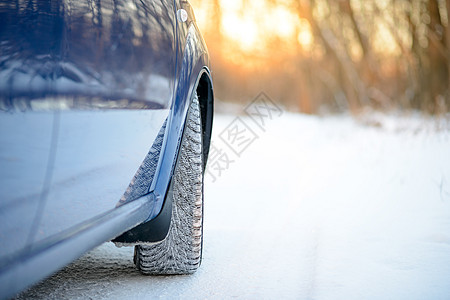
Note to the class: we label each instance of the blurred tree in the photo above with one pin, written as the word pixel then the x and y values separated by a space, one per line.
pixel 385 54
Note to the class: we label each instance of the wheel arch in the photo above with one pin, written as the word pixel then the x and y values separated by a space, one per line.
pixel 205 94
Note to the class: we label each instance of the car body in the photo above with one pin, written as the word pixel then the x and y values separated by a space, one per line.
pixel 94 97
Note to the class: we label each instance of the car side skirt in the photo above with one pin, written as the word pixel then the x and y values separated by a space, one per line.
pixel 45 257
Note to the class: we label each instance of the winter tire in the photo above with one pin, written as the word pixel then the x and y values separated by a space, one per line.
pixel 180 252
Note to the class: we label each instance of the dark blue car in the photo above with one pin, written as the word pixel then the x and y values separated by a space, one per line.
pixel 106 112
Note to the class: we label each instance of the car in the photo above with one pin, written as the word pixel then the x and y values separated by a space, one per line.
pixel 106 111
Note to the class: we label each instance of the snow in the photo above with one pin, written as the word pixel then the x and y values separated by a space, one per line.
pixel 314 208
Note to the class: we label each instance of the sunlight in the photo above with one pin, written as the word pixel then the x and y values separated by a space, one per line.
pixel 254 25
pixel 305 37
pixel 283 22
pixel 384 42
pixel 241 30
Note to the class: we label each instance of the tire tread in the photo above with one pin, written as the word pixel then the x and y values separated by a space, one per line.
pixel 180 252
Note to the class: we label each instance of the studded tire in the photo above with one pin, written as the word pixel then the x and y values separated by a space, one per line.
pixel 180 252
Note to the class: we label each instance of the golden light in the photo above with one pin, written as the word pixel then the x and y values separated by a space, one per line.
pixel 251 25
pixel 384 42
pixel 305 37
pixel 242 30
pixel 282 22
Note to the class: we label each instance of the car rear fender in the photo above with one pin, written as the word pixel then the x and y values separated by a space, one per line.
pixel 194 74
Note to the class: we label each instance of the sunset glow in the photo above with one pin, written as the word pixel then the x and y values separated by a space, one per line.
pixel 305 37
pixel 345 54
pixel 252 24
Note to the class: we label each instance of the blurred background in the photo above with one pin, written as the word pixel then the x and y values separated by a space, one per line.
pixel 322 56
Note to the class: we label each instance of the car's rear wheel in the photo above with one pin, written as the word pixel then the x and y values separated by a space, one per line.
pixel 180 252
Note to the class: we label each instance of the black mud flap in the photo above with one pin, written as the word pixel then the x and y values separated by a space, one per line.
pixel 152 231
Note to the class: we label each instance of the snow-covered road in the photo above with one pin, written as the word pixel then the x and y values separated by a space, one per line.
pixel 312 208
